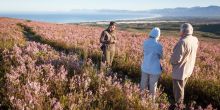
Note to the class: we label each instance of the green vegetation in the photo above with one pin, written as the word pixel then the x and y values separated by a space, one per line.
pixel 171 28
pixel 202 91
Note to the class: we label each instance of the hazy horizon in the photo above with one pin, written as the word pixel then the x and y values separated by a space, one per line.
pixel 91 10
pixel 68 5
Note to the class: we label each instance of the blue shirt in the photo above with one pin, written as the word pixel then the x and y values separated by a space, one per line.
pixel 153 52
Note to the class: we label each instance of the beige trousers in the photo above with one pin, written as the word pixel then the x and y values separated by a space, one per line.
pixel 178 90
pixel 149 82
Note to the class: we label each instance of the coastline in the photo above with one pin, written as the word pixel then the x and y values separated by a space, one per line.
pixel 138 21
pixel 150 20
pixel 154 20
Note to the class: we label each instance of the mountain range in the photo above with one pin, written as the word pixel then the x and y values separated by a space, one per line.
pixel 213 11
pixel 194 11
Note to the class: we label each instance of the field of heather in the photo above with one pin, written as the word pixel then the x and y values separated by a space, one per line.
pixel 58 65
pixel 129 51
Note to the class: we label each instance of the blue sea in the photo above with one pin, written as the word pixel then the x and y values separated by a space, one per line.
pixel 77 18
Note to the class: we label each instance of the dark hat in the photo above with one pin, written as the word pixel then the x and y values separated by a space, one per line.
pixel 112 23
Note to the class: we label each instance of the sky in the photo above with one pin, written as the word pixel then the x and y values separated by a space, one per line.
pixel 67 5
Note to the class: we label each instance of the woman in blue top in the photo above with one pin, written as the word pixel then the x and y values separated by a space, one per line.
pixel 151 67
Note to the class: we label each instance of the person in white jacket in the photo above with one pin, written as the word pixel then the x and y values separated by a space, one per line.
pixel 151 67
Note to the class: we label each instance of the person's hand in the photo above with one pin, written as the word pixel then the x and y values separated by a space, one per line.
pixel 114 41
pixel 108 42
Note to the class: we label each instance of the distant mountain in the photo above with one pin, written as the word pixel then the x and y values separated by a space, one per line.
pixel 210 11
pixel 193 12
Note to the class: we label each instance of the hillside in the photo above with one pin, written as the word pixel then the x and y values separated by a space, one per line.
pixel 211 11
pixel 58 65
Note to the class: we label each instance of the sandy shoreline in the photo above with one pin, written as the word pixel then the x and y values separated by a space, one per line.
pixel 132 22
pixel 137 22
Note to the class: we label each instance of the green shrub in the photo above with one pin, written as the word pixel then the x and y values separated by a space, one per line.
pixel 115 99
pixel 202 91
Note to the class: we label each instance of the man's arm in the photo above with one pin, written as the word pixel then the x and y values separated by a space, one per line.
pixel 178 53
pixel 114 38
pixel 103 38
pixel 113 41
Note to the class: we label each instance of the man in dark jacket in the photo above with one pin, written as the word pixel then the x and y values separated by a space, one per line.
pixel 108 40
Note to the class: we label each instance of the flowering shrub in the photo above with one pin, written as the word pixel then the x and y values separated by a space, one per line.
pixel 37 76
pixel 38 79
pixel 129 51
pixel 10 33
pixel 129 47
pixel 31 76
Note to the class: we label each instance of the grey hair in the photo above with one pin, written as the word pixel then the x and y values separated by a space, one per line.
pixel 187 29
